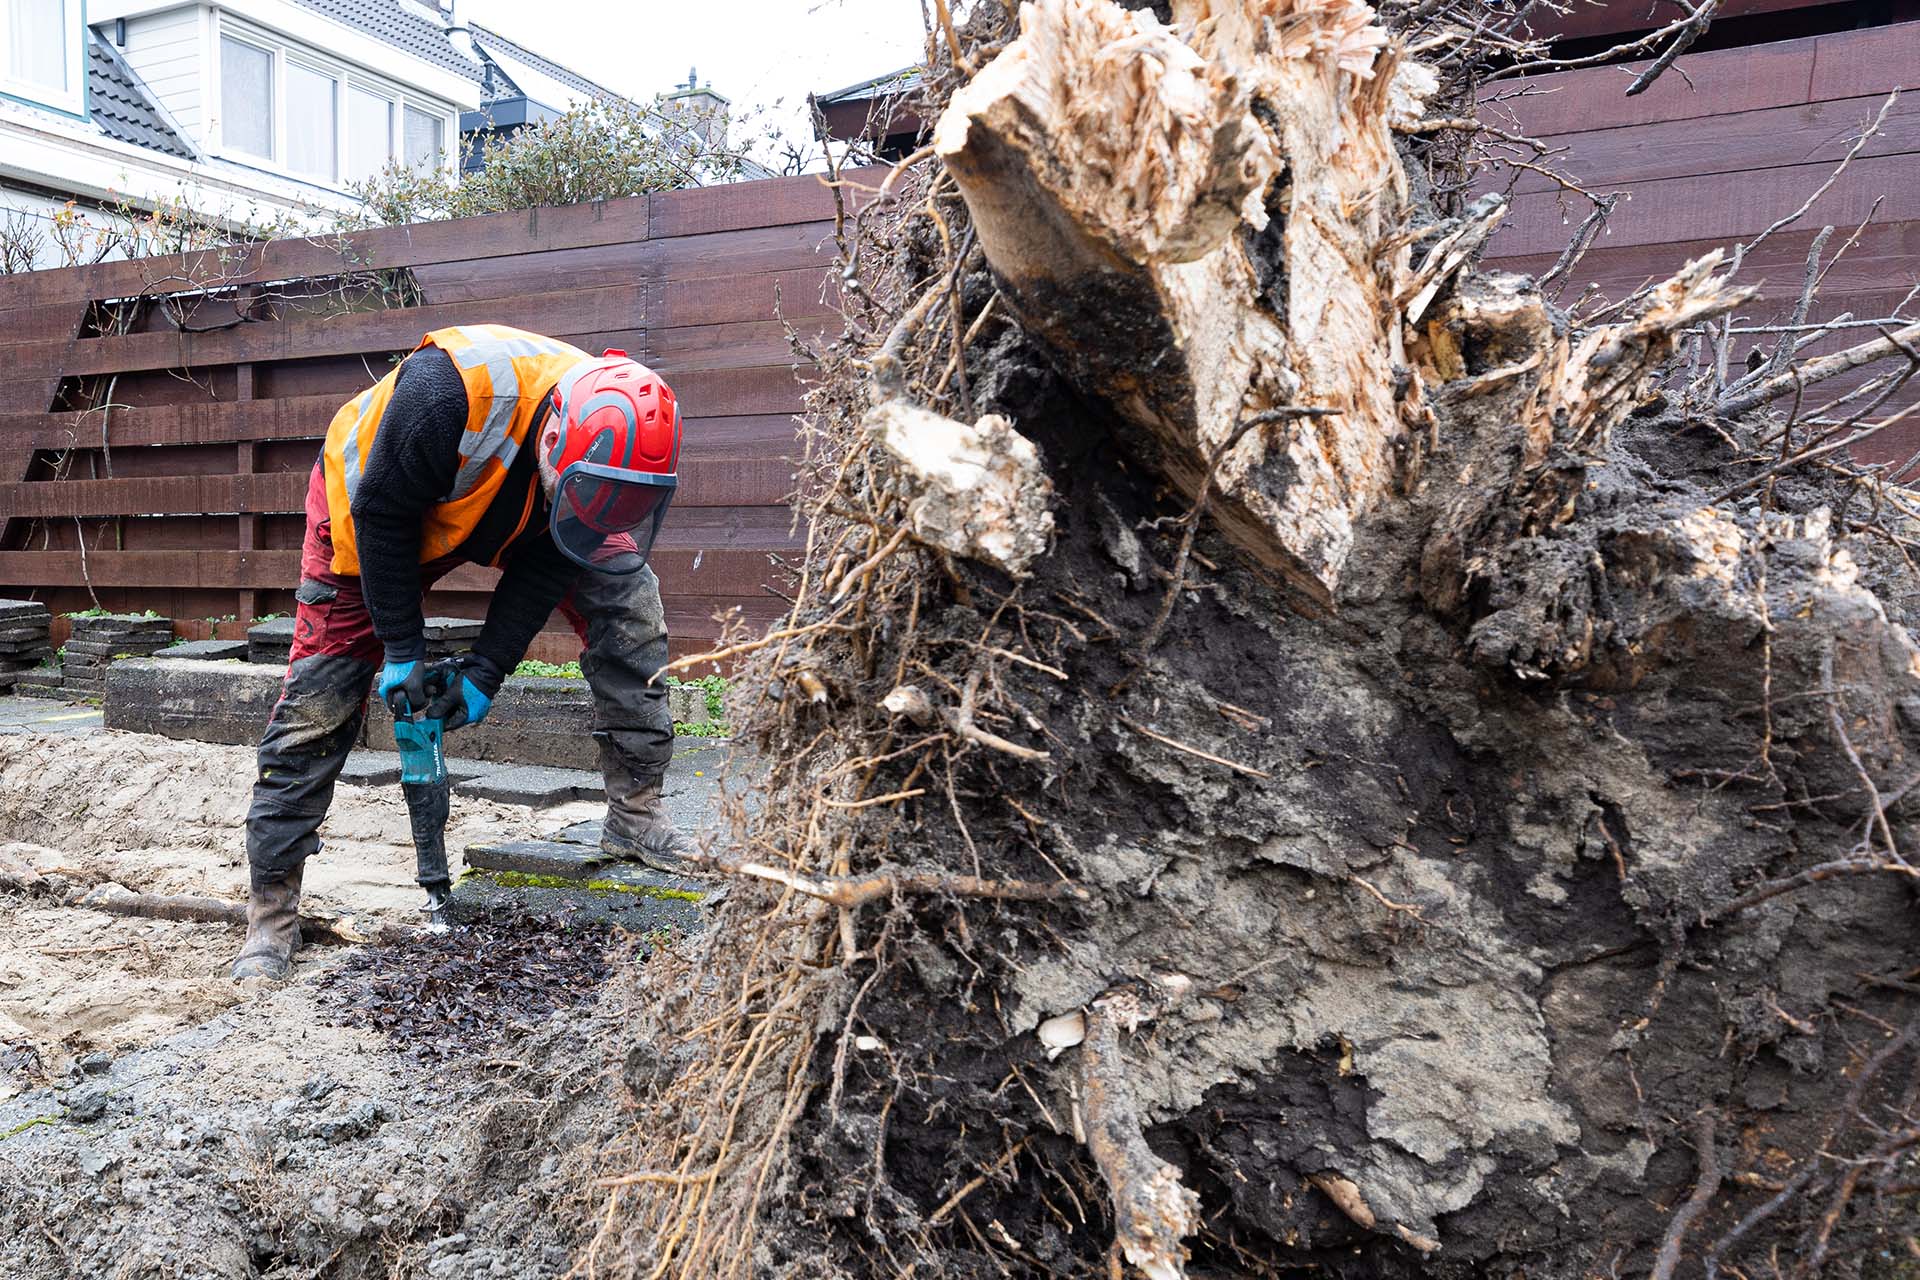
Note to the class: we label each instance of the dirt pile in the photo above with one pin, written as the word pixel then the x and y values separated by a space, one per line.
pixel 395 1111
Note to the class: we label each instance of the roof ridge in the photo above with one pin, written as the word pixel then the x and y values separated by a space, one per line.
pixel 546 64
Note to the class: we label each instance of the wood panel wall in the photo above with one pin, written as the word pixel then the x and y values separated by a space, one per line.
pixel 179 450
pixel 1723 145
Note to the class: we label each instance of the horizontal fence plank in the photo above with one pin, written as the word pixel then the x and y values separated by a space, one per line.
pixel 1679 209
pixel 747 252
pixel 725 572
pixel 1806 133
pixel 290 418
pixel 1848 63
pixel 731 346
pixel 698 210
pixel 802 291
pixel 573 311
pixel 769 389
pixel 1698 84
pixel 224 422
pixel 571 226
pixel 717 481
pixel 1886 253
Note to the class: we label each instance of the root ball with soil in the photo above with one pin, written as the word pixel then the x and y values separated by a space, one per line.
pixel 1289 754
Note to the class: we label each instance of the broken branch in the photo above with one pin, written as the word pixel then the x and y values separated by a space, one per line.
pixel 853 891
pixel 1152 1210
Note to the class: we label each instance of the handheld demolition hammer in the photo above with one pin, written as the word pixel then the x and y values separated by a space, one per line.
pixel 423 779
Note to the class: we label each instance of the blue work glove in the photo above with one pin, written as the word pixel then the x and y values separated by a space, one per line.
pixel 470 682
pixel 403 687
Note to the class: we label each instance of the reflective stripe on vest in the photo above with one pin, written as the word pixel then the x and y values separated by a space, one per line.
pixel 507 372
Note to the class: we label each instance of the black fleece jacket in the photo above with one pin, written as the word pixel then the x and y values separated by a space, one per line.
pixel 412 465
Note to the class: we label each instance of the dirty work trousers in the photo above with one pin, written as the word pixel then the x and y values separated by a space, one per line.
pixel 323 700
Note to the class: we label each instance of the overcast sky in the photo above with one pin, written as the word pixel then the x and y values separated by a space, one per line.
pixel 766 54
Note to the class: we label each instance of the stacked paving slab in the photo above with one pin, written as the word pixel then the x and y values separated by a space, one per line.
pixel 95 642
pixel 206 650
pixel 25 627
pixel 270 641
pixel 448 636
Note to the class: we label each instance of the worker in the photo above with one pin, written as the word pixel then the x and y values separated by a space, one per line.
pixel 486 445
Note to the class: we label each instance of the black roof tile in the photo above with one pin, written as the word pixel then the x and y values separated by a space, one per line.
pixel 401 26
pixel 121 106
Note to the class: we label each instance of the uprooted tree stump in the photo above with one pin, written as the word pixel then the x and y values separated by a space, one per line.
pixel 1479 808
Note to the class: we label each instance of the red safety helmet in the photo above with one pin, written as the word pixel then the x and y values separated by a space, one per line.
pixel 617 457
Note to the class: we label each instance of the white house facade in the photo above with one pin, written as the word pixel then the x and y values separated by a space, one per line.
pixel 248 111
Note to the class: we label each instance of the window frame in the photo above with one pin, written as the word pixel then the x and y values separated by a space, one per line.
pixel 373 89
pixel 347 77
pixel 313 66
pixel 276 82
pixel 73 100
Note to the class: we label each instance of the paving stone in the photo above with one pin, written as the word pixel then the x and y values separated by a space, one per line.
pixel 205 650
pixel 636 898
pixel 15 610
pixel 451 630
pixel 533 721
pixel 688 703
pixel 278 631
pixel 136 647
pixel 534 785
pixel 39 689
pixel 186 698
pixel 371 769
pixel 15 632
pixel 116 625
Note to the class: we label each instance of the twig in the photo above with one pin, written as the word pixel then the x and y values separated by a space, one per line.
pixel 117 899
pixel 870 801
pixel 1384 900
pixel 853 891
pixel 1692 29
pixel 1703 1188
pixel 953 1201
pixel 1787 884
pixel 1872 129
pixel 1196 752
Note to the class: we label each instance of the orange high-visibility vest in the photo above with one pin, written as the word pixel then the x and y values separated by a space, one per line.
pixel 507 372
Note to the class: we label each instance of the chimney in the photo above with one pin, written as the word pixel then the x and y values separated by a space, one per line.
pixel 700 109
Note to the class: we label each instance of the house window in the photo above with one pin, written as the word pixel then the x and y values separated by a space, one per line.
pixel 369 134
pixel 40 51
pixel 313 125
pixel 246 98
pixel 37 43
pixel 425 142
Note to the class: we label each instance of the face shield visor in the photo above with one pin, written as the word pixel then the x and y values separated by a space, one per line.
pixel 594 504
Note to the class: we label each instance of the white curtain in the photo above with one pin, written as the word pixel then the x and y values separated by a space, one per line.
pixel 423 138
pixel 246 98
pixel 312 123
pixel 369 134
pixel 37 42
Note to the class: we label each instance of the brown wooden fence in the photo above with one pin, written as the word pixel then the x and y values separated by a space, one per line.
pixel 1724 144
pixel 158 418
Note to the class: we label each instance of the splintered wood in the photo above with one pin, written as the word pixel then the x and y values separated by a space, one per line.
pixel 1118 173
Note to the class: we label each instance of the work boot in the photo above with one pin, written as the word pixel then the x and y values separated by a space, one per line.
pixel 638 827
pixel 273 930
